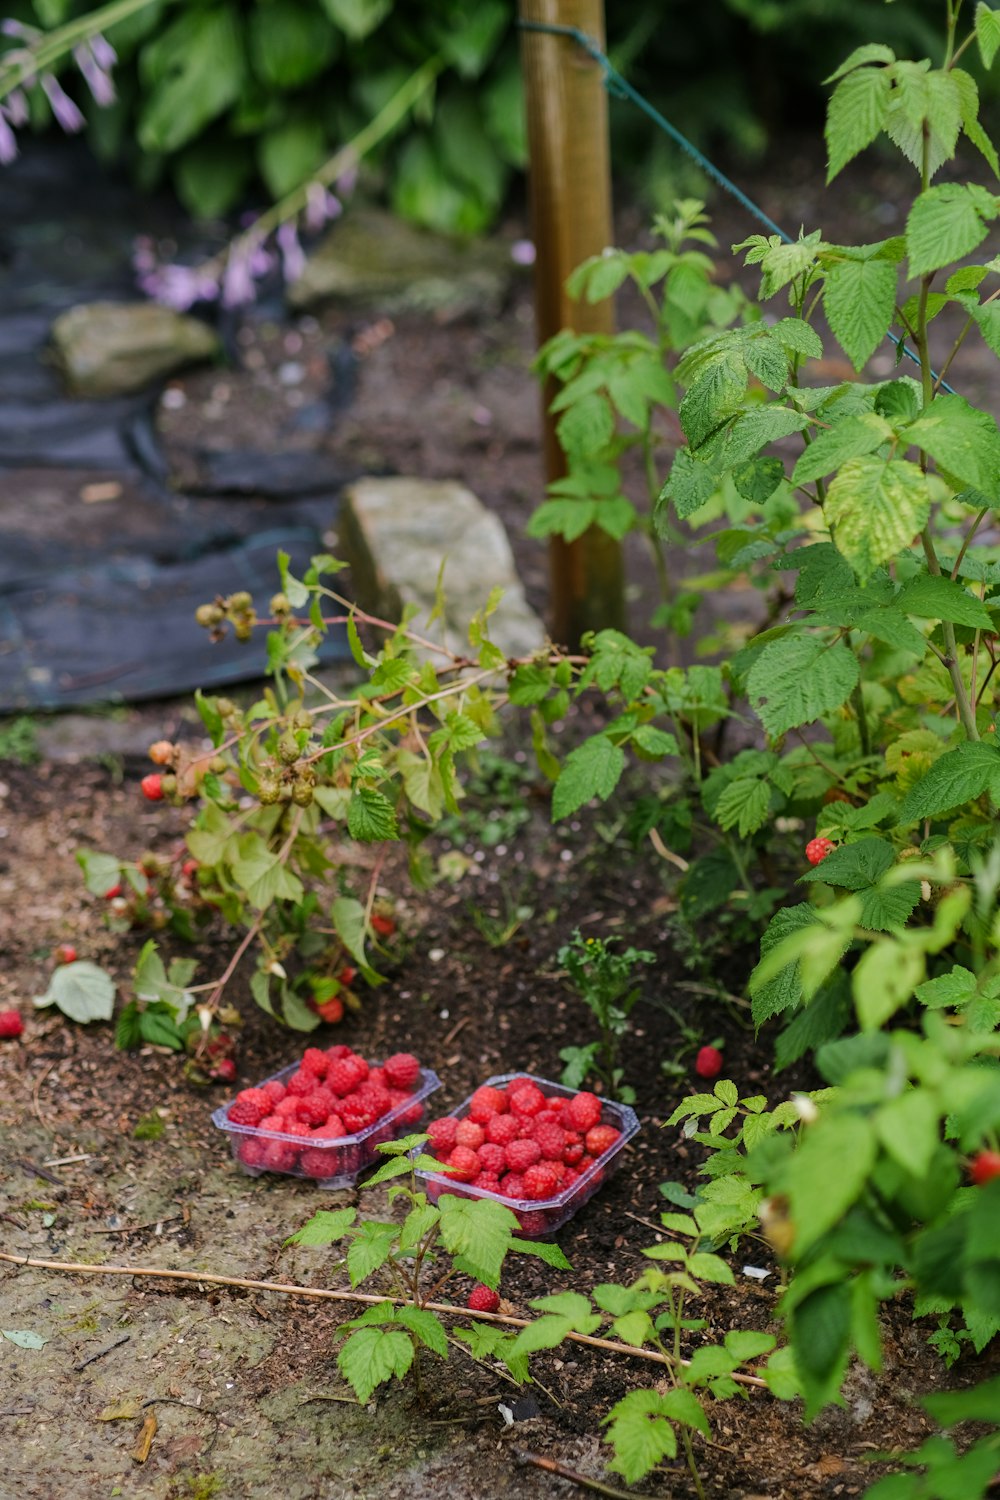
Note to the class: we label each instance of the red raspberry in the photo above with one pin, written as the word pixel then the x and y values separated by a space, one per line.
pixel 347 976
pixel 317 1107
pixel 442 1133
pixel 384 926
pixel 402 1070
pixel 65 954
pixel 113 891
pixel 540 1181
pixel 569 1177
pixel 585 1111
pixel 410 1110
pixel 224 1070
pixel 464 1164
pixel 355 1116
pixel 601 1139
pixel 551 1141
pixel 548 1116
pixel 985 1167
pixel 288 1108
pixel 501 1129
pixel 272 1122
pixel 584 1164
pixel 302 1083
pixel 492 1158
pixel 485 1103
pixel 525 1098
pixel 488 1182
pixel 560 1169
pixel 278 1156
pixel 470 1134
pixel 533 1223
pixel 512 1186
pixel 275 1091
pixel 152 786
pixel 344 1075
pixel 818 849
pixel 483 1299
pixel 252 1150
pixel 10 1023
pixel 331 1010
pixel 377 1075
pixel 370 1096
pixel 708 1063
pixel 573 1149
pixel 323 1161
pixel 249 1107
pixel 338 1050
pixel 522 1154
pixel 314 1060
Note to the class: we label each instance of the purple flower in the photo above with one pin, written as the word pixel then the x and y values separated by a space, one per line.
pixel 10 27
pixel 522 253
pixel 8 141
pixel 105 55
pixel 321 207
pixel 98 79
pixel 65 111
pixel 293 261
pixel 237 282
pixel 15 107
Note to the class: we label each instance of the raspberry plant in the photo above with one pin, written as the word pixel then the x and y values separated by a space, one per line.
pixel 413 1260
pixel 606 982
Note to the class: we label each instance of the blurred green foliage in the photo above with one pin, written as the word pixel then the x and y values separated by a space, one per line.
pixel 229 98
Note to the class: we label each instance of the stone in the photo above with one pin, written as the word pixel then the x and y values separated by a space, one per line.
pixel 396 534
pixel 115 348
pixel 370 257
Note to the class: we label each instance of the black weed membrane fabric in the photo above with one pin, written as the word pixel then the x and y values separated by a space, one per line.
pixel 97 600
pixel 125 631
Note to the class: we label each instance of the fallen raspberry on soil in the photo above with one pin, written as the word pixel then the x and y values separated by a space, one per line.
pixel 708 1063
pixel 11 1024
pixel 483 1299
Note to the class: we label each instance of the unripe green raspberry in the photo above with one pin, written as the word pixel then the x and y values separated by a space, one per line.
pixel 288 749
pixel 280 605
pixel 208 615
pixel 241 601
pixel 268 790
pixel 302 794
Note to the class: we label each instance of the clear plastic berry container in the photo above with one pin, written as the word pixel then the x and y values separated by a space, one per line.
pixel 540 1218
pixel 330 1164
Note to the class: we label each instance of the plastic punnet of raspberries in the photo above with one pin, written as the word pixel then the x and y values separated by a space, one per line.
pixel 483 1299
pixel 11 1024
pixel 818 849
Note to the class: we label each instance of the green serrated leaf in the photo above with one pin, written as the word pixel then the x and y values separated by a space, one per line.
pixel 959 776
pixel 372 1356
pixel 946 223
pixel 478 1230
pixel 856 114
pixel 859 298
pixel 371 817
pixel 876 507
pixel 370 1247
pixel 593 769
pixel 324 1228
pixel 82 990
pixel 797 679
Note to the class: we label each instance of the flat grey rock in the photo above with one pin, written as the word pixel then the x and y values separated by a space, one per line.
pixel 115 348
pixel 370 257
pixel 396 534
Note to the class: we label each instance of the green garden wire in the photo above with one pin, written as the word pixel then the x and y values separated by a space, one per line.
pixel 620 88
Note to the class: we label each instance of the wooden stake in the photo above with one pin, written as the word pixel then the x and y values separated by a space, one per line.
pixel 570 184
